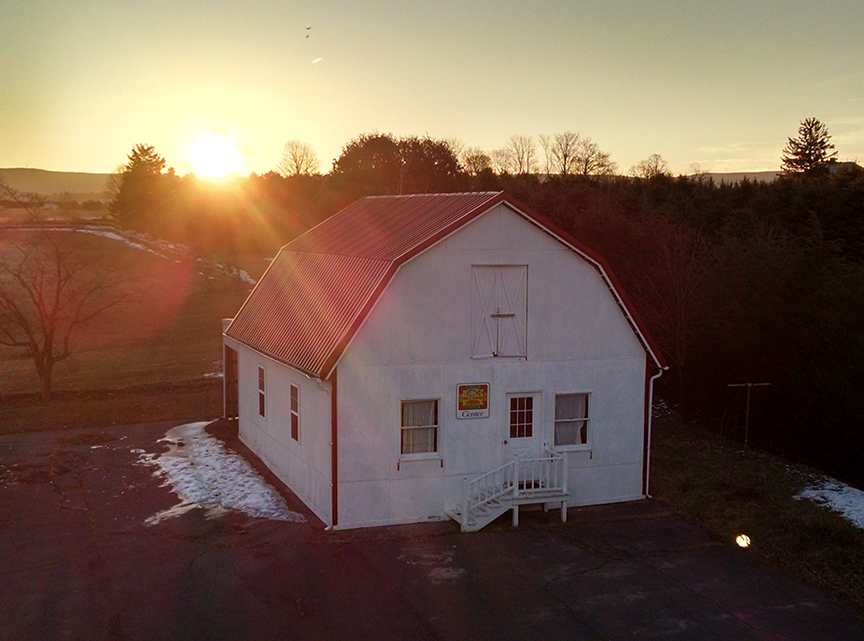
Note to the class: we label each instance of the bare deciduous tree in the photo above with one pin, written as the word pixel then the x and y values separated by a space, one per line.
pixel 589 160
pixel 546 146
pixel 298 159
pixel 32 204
pixel 502 160
pixel 48 291
pixel 652 166
pixel 457 146
pixel 475 160
pixel 564 150
pixel 522 153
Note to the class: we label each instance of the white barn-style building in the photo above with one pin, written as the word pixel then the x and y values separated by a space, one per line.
pixel 418 357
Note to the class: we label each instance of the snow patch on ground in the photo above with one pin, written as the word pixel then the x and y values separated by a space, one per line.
pixel 160 248
pixel 236 272
pixel 115 236
pixel 838 497
pixel 203 473
pixel 132 239
pixel 215 370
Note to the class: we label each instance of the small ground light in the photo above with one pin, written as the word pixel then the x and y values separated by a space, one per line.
pixel 743 540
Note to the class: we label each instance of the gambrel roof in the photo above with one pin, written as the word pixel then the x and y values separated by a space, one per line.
pixel 321 286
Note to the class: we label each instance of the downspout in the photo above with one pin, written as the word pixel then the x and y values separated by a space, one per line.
pixel 334 451
pixel 650 416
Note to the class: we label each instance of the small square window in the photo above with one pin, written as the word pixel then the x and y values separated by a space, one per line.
pixel 571 419
pixel 419 427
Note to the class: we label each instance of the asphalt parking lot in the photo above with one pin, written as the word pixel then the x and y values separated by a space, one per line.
pixel 78 560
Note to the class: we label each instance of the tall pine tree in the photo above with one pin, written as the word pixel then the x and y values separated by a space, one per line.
pixel 809 153
pixel 141 189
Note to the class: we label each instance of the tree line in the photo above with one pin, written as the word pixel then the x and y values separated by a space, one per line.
pixel 744 282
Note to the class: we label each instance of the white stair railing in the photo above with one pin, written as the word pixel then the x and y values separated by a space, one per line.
pixel 520 480
pixel 486 488
pixel 541 475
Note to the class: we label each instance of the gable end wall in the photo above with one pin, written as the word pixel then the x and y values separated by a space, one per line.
pixel 416 344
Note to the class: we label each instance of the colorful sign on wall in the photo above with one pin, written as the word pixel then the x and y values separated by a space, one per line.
pixel 472 400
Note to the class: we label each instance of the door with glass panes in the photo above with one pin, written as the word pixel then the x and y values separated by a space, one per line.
pixel 523 425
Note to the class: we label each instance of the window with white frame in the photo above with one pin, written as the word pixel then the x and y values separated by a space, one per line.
pixel 295 412
pixel 571 419
pixel 499 310
pixel 262 405
pixel 419 426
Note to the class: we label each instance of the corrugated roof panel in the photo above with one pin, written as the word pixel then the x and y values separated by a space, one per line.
pixel 387 227
pixel 304 307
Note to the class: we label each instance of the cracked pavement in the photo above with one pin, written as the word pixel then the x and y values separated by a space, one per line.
pixel 78 562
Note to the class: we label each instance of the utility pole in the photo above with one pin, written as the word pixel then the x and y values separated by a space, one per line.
pixel 749 386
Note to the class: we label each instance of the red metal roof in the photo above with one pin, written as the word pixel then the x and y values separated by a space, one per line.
pixel 319 288
pixel 389 227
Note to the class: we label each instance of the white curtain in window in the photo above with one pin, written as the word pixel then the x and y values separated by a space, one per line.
pixel 419 439
pixel 571 424
pixel 418 414
pixel 419 426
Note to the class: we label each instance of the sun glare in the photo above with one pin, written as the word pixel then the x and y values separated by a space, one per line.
pixel 214 155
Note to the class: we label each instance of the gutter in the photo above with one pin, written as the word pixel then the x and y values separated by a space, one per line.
pixel 334 451
pixel 648 428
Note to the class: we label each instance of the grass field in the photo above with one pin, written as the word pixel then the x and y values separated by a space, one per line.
pixel 17 215
pixel 196 400
pixel 167 332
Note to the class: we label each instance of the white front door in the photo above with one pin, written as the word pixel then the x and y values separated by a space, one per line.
pixel 523 425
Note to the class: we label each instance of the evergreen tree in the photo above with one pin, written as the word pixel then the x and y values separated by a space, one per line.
pixel 810 152
pixel 141 188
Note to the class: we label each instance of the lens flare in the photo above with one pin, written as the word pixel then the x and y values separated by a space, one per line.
pixel 743 540
pixel 214 155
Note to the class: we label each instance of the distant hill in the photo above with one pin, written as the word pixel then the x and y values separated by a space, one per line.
pixel 756 176
pixel 52 184
pixel 771 176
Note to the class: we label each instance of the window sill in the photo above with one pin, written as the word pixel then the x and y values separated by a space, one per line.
pixel 426 456
pixel 572 448
pixel 420 466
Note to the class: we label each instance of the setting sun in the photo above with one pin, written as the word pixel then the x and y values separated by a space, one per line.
pixel 214 155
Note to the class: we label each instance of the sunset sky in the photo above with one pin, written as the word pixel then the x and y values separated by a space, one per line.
pixel 718 84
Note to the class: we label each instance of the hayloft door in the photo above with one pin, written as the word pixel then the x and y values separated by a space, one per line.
pixel 499 310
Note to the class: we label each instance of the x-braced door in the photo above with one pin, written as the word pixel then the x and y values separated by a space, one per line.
pixel 499 310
